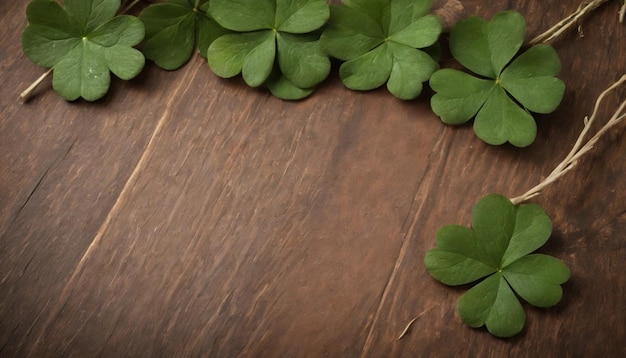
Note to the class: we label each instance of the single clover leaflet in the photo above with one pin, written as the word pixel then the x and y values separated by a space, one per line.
pixel 381 42
pixel 83 43
pixel 499 247
pixel 508 88
pixel 274 42
pixel 175 28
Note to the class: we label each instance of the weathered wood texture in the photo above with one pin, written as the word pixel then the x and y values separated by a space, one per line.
pixel 186 215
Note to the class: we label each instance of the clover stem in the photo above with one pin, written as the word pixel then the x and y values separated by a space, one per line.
pixel 29 91
pixel 579 149
pixel 568 22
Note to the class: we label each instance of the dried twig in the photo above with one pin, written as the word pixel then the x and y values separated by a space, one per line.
pixel 408 326
pixel 579 149
pixel 567 23
pixel 449 11
pixel 406 329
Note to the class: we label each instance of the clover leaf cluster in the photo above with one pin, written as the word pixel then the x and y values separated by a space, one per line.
pixel 285 45
pixel 83 42
pixel 497 249
pixel 381 42
pixel 277 43
pixel 175 28
pixel 274 42
pixel 507 89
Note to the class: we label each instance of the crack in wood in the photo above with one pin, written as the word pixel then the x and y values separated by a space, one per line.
pixel 41 179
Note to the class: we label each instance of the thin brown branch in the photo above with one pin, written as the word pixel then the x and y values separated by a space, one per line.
pixel 579 149
pixel 449 11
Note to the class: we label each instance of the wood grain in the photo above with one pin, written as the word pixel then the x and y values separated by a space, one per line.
pixel 186 215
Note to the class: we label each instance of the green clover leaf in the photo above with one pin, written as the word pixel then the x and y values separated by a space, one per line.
pixel 499 247
pixel 488 49
pixel 174 28
pixel 381 42
pixel 274 42
pixel 83 43
pixel 281 87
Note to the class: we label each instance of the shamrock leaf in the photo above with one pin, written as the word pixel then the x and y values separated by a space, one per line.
pixel 494 99
pixel 83 42
pixel 381 42
pixel 174 28
pixel 499 247
pixel 273 42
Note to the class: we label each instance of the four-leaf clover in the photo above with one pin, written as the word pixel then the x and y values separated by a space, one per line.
pixel 487 48
pixel 82 43
pixel 274 43
pixel 381 42
pixel 174 27
pixel 499 247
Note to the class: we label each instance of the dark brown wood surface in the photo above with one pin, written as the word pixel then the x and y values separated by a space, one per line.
pixel 185 215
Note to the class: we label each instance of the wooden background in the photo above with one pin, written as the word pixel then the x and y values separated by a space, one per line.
pixel 185 215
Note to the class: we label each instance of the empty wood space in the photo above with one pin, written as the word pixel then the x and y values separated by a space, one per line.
pixel 185 215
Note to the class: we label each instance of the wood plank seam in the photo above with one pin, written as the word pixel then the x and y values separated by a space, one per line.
pixel 423 185
pixel 130 182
